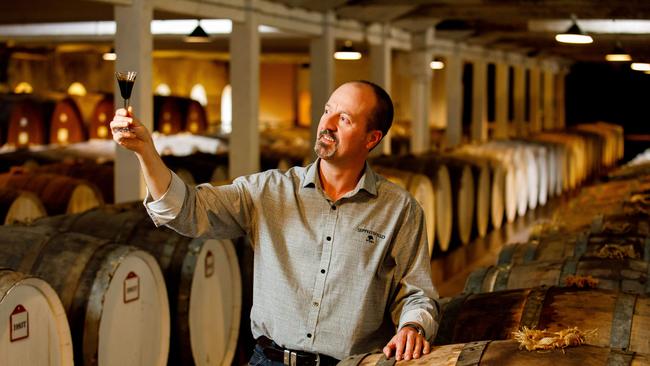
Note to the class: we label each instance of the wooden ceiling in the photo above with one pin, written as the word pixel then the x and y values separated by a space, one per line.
pixel 494 24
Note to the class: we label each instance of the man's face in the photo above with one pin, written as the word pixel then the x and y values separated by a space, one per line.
pixel 342 130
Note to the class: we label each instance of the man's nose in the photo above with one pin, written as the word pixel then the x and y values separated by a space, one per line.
pixel 329 121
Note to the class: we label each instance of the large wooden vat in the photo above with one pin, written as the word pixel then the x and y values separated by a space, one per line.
pixel 114 295
pixel 34 327
pixel 507 353
pixel 202 276
pixel 28 120
pixel 100 120
pixel 58 193
pixel 66 124
pixel 622 320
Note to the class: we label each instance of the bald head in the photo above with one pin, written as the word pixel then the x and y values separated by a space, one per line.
pixel 381 115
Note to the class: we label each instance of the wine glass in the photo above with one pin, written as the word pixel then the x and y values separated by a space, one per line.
pixel 126 79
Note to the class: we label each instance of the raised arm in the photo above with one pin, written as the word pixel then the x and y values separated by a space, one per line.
pixel 129 133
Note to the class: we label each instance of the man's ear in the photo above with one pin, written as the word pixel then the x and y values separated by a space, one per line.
pixel 373 139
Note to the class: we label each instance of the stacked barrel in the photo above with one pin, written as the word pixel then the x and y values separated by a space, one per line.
pixel 587 268
pixel 129 290
pixel 478 187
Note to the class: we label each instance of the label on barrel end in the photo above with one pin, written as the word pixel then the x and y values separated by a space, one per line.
pixel 19 324
pixel 209 264
pixel 131 287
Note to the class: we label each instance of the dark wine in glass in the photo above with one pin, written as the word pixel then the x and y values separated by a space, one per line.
pixel 126 79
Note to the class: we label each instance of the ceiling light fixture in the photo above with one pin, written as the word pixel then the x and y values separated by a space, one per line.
pixel 640 66
pixel 574 35
pixel 347 52
pixel 110 55
pixel 198 35
pixel 618 54
pixel 437 65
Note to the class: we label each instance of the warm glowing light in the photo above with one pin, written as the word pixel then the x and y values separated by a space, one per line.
pixel 23 88
pixel 110 56
pixel 618 57
pixel 574 38
pixel 77 88
pixel 437 65
pixel 347 52
pixel 163 89
pixel 199 94
pixel 640 66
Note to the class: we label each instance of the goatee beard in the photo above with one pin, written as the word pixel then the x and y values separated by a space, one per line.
pixel 326 151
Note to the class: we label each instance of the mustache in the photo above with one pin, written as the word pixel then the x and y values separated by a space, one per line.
pixel 329 133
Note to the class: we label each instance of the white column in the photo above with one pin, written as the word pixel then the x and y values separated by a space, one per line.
pixel 133 45
pixel 244 147
pixel 520 100
pixel 454 88
pixel 560 95
pixel 549 100
pixel 535 111
pixel 501 101
pixel 321 73
pixel 479 101
pixel 380 74
pixel 420 92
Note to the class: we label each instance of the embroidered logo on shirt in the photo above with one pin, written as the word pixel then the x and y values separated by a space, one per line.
pixel 371 236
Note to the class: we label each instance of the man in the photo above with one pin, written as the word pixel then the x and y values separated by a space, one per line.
pixel 340 253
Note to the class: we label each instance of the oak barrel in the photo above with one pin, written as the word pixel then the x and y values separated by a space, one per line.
pixel 114 295
pixel 631 275
pixel 58 193
pixel 482 175
pixel 202 276
pixel 38 331
pixel 628 235
pixel 19 206
pixel 621 319
pixel 100 175
pixel 507 353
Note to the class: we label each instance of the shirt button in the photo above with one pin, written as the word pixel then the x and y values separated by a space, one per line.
pixel 315 304
pixel 308 335
pixel 329 238
pixel 322 271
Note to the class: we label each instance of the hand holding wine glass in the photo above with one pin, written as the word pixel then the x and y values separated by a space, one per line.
pixel 126 79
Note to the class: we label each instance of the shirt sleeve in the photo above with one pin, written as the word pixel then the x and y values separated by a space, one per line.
pixel 416 297
pixel 221 212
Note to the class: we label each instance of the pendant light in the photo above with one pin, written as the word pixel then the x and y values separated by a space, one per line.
pixel 110 55
pixel 618 54
pixel 198 35
pixel 574 35
pixel 347 52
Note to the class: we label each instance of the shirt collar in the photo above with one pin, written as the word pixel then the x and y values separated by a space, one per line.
pixel 368 181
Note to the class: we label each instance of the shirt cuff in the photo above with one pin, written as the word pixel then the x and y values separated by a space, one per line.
pixel 167 207
pixel 421 317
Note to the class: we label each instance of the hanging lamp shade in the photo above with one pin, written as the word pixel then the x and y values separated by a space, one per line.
pixel 198 35
pixel 347 52
pixel 110 55
pixel 618 54
pixel 574 35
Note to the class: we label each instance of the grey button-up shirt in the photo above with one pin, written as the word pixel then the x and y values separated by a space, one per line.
pixel 336 278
